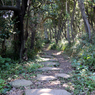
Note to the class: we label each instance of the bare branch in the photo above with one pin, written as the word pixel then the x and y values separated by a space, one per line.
pixel 2 2
pixel 9 8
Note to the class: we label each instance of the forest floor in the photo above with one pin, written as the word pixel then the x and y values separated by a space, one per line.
pixel 43 79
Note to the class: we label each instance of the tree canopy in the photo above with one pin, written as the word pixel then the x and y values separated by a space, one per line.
pixel 57 19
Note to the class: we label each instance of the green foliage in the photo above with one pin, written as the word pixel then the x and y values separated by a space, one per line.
pixel 59 46
pixel 82 79
pixel 46 41
pixel 2 84
pixel 33 67
pixel 82 51
pixel 8 70
pixel 14 71
pixel 6 25
pixel 83 85
pixel 4 61
pixel 83 62
pixel 53 46
pixel 88 57
pixel 31 53
pixel 38 44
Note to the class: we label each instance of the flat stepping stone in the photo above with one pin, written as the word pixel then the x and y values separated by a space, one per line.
pixel 50 69
pixel 47 56
pixel 45 78
pixel 48 59
pixel 50 63
pixel 46 92
pixel 20 83
pixel 62 75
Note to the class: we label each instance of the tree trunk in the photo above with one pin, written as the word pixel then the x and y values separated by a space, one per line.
pixel 17 40
pixel 72 19
pixel 26 31
pixel 68 34
pixel 50 34
pixel 46 33
pixel 32 38
pixel 86 23
pixel 55 28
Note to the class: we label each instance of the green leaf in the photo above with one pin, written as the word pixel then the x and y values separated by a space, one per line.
pixel 8 59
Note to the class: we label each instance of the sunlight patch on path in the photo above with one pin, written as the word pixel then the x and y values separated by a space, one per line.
pixel 47 56
pixel 46 92
pixel 45 78
pixel 58 53
pixel 62 75
pixel 50 69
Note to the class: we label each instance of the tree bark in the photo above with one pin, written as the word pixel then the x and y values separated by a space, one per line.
pixel 33 33
pixel 68 34
pixel 46 33
pixel 50 34
pixel 86 23
pixel 72 19
pixel 23 8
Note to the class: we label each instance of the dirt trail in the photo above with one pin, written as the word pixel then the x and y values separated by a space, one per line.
pixel 62 59
pixel 49 79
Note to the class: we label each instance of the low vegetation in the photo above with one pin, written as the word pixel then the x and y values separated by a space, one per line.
pixel 82 56
pixel 11 70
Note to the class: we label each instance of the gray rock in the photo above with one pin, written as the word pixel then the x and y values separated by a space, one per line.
pixel 49 69
pixel 62 75
pixel 46 92
pixel 19 83
pixel 48 59
pixel 45 78
pixel 47 56
pixel 50 63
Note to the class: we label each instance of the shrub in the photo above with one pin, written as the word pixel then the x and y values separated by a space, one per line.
pixel 53 46
pixel 88 57
pixel 2 84
pixel 3 61
pixel 38 44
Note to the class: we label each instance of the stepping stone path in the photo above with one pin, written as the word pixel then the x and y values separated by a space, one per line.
pixel 46 92
pixel 45 78
pixel 50 63
pixel 42 78
pixel 50 69
pixel 62 75
pixel 20 83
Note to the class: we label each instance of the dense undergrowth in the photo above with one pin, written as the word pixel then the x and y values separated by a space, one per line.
pixel 82 55
pixel 11 68
pixel 15 70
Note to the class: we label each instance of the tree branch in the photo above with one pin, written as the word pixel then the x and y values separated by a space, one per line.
pixel 2 2
pixel 9 8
